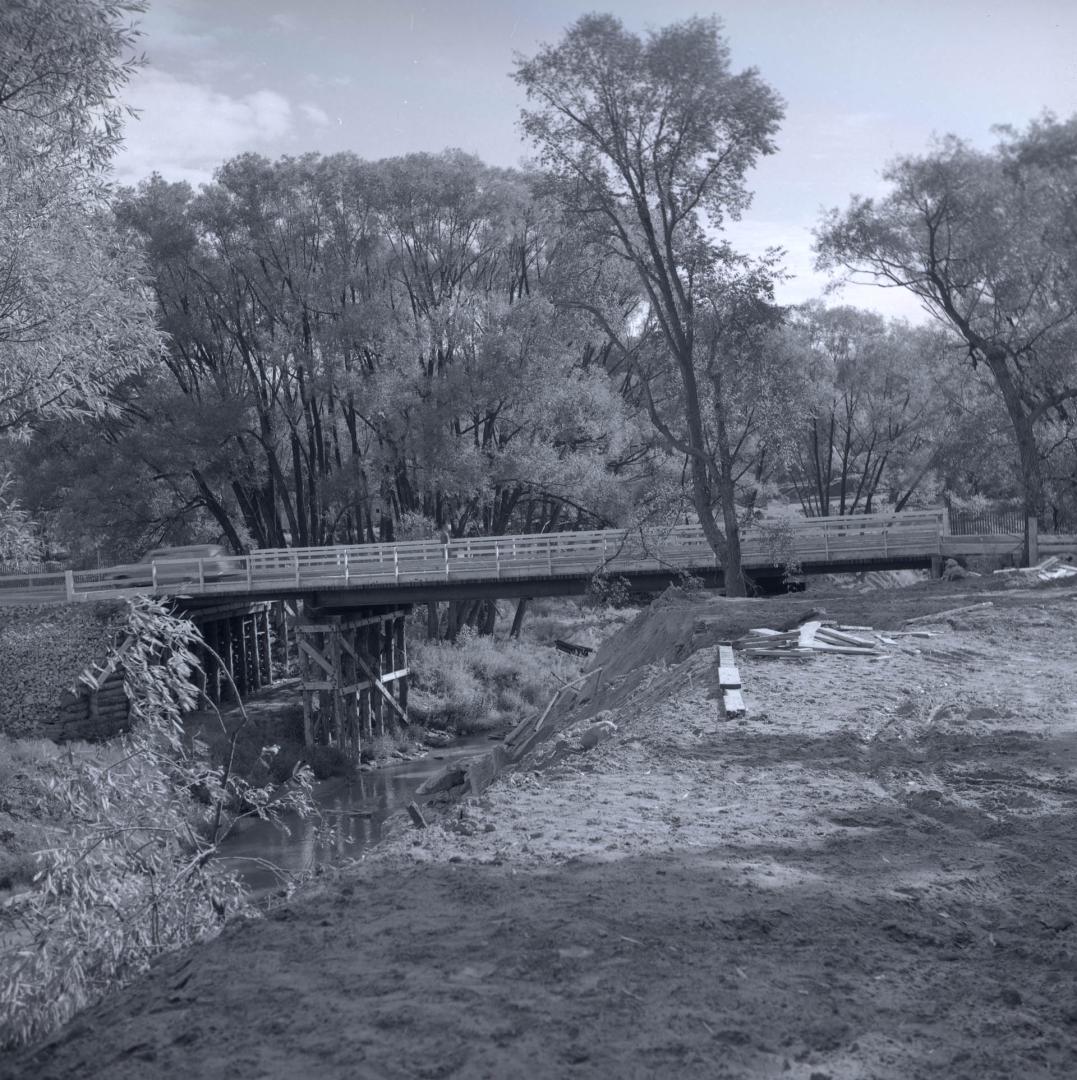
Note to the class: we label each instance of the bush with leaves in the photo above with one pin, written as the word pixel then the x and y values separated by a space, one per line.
pixel 133 875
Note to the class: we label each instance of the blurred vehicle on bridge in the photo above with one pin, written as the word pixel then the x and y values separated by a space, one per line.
pixel 186 564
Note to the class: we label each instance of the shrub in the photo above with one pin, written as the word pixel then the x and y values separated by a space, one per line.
pixel 131 875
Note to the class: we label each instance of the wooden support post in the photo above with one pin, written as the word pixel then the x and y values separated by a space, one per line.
pixel 336 696
pixel 256 651
pixel 1033 540
pixel 267 650
pixel 219 681
pixel 230 653
pixel 374 652
pixel 241 675
pixel 323 729
pixel 401 659
pixel 936 567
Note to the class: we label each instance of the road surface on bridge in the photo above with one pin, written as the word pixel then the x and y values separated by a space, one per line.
pixel 532 564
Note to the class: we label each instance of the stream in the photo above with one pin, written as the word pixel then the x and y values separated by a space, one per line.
pixel 358 806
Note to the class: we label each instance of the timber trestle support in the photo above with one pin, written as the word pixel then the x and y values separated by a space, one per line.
pixel 353 675
pixel 238 649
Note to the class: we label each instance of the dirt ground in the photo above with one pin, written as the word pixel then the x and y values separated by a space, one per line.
pixel 871 875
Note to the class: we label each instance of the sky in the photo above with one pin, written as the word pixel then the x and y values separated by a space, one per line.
pixel 864 81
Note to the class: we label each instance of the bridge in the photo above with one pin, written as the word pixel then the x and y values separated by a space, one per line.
pixel 344 576
pixel 348 629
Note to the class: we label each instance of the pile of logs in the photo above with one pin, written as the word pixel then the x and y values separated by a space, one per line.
pixel 809 640
pixel 90 714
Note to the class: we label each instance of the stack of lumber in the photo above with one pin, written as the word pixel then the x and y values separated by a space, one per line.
pixel 807 640
pixel 1050 569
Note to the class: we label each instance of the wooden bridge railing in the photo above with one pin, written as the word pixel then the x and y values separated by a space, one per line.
pixel 871 538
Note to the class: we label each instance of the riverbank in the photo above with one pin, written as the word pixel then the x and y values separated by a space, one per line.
pixel 869 875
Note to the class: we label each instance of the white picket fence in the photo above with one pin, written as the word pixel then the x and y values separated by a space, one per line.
pixel 535 557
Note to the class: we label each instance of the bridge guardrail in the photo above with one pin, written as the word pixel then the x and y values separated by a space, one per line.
pixel 515 558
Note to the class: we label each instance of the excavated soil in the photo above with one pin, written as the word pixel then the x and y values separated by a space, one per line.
pixel 871 875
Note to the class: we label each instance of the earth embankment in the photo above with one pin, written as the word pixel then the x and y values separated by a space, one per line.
pixel 871 875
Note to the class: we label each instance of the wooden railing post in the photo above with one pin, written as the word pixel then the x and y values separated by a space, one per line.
pixel 497 559
pixel 295 555
pixel 153 573
pixel 250 573
pixel 396 564
pixel 69 584
pixel 346 568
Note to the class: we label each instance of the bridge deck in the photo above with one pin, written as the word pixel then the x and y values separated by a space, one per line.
pixel 514 565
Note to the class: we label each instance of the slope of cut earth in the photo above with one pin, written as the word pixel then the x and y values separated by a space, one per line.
pixel 871 875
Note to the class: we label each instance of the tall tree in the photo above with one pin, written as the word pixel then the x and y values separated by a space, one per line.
pixel 873 411
pixel 75 315
pixel 986 241
pixel 650 141
pixel 350 337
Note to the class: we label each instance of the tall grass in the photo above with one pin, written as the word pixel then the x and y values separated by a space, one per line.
pixel 481 683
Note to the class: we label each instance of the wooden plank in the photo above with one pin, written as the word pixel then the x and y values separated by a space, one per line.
pixel 725 654
pixel 572 648
pixel 317 657
pixel 729 676
pixel 847 650
pixel 377 686
pixel 354 688
pixel 784 654
pixel 733 703
pixel 948 612
pixel 828 633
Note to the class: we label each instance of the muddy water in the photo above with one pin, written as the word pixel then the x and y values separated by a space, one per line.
pixel 357 807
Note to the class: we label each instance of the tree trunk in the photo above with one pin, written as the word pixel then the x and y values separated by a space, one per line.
pixel 1025 434
pixel 518 618
pixel 732 571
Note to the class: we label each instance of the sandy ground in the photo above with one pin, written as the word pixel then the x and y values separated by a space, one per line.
pixel 872 875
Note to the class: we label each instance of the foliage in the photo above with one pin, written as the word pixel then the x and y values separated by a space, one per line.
pixel 132 874
pixel 477 683
pixel 985 240
pixel 876 419
pixel 20 544
pixel 648 142
pixel 614 591
pixel 350 339
pixel 75 315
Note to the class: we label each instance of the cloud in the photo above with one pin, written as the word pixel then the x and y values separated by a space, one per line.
pixel 283 21
pixel 185 130
pixel 314 115
pixel 753 236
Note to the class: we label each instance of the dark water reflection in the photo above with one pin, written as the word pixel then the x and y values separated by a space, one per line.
pixel 358 807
